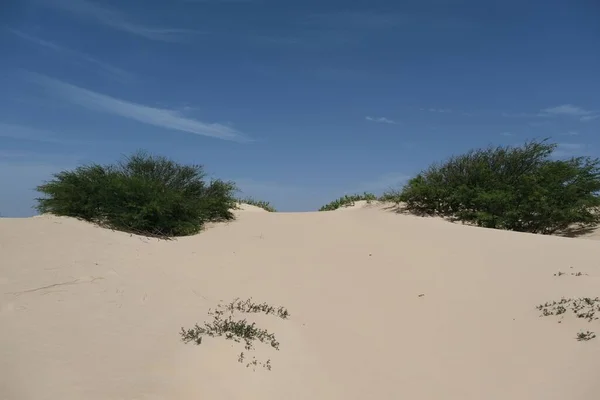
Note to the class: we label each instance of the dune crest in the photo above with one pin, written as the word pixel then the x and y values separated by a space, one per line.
pixel 244 207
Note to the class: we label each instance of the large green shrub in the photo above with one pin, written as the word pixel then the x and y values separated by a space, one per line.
pixel 516 188
pixel 142 194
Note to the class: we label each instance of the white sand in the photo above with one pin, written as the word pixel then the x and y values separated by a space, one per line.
pixel 87 313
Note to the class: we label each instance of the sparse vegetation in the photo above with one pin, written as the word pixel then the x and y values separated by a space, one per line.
pixel 584 307
pixel 237 330
pixel 560 273
pixel 265 205
pixel 141 194
pixel 348 200
pixel 515 188
pixel 585 336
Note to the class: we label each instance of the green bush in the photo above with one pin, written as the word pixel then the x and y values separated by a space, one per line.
pixel 514 188
pixel 141 194
pixel 265 205
pixel 347 201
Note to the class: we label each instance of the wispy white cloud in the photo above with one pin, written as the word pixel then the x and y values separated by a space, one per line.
pixel 569 149
pixel 31 134
pixel 570 110
pixel 572 133
pixel 118 73
pixel 571 146
pixel 587 118
pixel 164 118
pixel 441 110
pixel 507 134
pixel 112 18
pixel 21 132
pixel 567 109
pixel 382 120
pixel 518 115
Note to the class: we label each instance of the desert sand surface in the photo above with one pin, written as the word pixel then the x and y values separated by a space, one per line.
pixel 382 306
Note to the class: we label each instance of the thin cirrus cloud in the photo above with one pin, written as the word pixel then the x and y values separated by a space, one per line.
pixel 115 72
pixel 164 118
pixel 112 18
pixel 21 132
pixel 569 110
pixel 437 110
pixel 569 149
pixel 381 120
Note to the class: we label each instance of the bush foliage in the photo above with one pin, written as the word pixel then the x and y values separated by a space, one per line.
pixel 142 194
pixel 516 188
pixel 347 201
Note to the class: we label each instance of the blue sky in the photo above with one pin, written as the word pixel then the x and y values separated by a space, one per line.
pixel 297 101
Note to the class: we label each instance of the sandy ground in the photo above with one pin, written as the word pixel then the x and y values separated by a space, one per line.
pixel 383 306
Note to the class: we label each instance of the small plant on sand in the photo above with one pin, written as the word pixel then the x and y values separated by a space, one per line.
pixel 142 194
pixel 237 329
pixel 248 306
pixel 583 307
pixel 585 336
pixel 560 273
pixel 348 200
pixel 265 205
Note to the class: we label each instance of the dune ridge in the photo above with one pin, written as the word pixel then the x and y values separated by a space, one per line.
pixel 382 306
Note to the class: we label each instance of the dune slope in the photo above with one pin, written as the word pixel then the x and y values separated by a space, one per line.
pixel 382 306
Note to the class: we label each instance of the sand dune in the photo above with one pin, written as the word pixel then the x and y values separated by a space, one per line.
pixel 591 234
pixel 383 306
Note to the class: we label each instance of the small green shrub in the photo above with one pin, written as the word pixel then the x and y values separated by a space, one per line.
pixel 514 188
pixel 265 205
pixel 141 194
pixel 237 329
pixel 348 200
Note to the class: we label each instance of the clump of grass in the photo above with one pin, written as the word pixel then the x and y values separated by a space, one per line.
pixel 584 307
pixel 237 329
pixel 265 205
pixel 348 200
